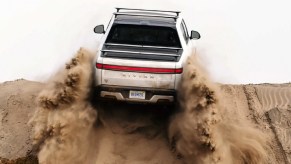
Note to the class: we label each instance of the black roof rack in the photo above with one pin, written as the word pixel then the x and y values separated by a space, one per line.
pixel 145 14
pixel 160 11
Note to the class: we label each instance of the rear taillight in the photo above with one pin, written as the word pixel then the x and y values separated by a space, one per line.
pixel 139 69
pixel 99 66
pixel 179 70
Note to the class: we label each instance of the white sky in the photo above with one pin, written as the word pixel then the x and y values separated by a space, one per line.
pixel 246 41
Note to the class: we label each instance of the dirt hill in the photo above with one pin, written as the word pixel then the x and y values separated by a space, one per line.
pixel 65 124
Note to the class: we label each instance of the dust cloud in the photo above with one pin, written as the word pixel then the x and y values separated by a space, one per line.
pixel 199 131
pixel 202 132
pixel 64 118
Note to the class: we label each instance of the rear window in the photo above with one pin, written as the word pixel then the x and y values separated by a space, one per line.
pixel 143 35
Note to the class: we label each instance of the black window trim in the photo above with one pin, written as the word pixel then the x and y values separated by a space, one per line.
pixel 185 31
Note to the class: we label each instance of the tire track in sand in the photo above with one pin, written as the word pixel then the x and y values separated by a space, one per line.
pixel 260 115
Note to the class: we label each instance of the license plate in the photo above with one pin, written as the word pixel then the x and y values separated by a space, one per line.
pixel 137 94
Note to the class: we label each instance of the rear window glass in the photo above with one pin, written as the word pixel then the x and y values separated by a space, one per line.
pixel 143 35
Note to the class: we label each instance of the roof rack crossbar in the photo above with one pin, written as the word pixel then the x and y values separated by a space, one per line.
pixel 162 11
pixel 145 15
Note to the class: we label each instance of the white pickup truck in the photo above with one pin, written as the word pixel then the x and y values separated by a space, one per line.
pixel 141 55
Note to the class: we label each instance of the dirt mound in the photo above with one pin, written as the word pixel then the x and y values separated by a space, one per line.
pixel 16 107
pixel 213 124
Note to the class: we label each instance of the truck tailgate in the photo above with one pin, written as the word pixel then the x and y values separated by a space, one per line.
pixel 137 73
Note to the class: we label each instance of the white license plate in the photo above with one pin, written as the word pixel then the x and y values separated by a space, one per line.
pixel 137 94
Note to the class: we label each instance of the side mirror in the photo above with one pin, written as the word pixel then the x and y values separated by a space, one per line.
pixel 99 29
pixel 195 35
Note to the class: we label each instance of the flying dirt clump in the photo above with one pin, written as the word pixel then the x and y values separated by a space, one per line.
pixel 64 117
pixel 202 133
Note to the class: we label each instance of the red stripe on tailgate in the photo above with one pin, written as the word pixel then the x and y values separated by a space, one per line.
pixel 139 69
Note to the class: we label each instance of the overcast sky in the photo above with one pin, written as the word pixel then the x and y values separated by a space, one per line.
pixel 243 41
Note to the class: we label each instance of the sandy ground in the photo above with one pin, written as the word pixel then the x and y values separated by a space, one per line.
pixel 66 127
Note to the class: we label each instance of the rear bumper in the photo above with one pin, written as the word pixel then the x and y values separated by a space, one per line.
pixel 122 94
